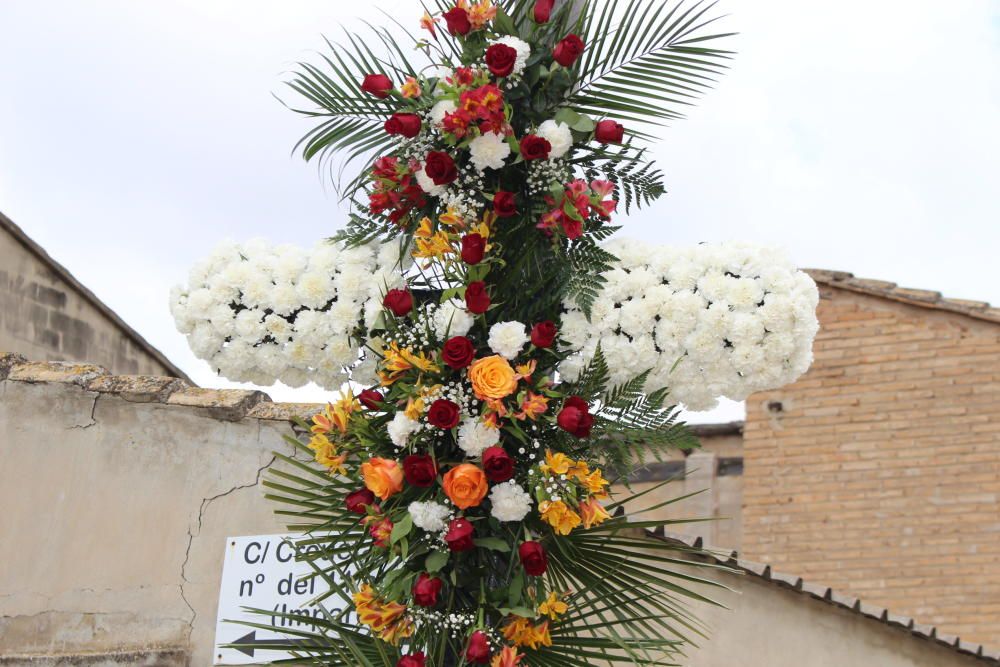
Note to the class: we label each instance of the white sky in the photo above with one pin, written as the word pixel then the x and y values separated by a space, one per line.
pixel 862 136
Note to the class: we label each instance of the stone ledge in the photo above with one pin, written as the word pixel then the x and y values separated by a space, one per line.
pixel 140 658
pixel 138 388
pixel 8 361
pixel 284 411
pixel 225 404
pixel 55 371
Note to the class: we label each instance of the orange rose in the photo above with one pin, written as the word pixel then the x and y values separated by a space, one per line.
pixel 492 378
pixel 465 485
pixel 383 477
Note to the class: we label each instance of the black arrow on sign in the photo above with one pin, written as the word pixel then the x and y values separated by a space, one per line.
pixel 249 643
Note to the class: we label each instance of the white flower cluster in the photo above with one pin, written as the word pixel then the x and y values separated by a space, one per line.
pixel 475 437
pixel 708 321
pixel 489 150
pixel 507 339
pixel 260 313
pixel 558 135
pixel 509 501
pixel 430 516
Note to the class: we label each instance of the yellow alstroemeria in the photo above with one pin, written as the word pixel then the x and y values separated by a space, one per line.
pixel 579 471
pixel 558 515
pixel 388 619
pixel 452 218
pixel 340 412
pixel 425 228
pixel 435 247
pixel 326 455
pixel 556 463
pixel 593 513
pixel 517 630
pixel 410 88
pixel 596 484
pixel 482 13
pixel 396 362
pixel 524 371
pixel 553 607
pixel 416 405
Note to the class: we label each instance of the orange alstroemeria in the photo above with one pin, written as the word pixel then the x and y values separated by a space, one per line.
pixel 397 362
pixel 533 406
pixel 524 371
pixel 427 22
pixel 507 657
pixel 558 515
pixel 482 13
pixel 553 607
pixel 410 88
pixel 387 619
pixel 556 463
pixel 452 218
pixel 592 513
pixel 522 632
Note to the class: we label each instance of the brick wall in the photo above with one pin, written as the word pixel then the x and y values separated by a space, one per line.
pixel 878 473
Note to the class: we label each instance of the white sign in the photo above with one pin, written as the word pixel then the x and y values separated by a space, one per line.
pixel 261 572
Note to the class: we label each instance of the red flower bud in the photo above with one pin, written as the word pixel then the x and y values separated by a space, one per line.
pixel 358 501
pixel 419 470
pixel 543 10
pixel 405 124
pixel 426 590
pixel 609 132
pixel 543 334
pixel 378 85
pixel 473 248
pixel 501 59
pixel 504 204
pixel 575 417
pixel 533 558
pixel 568 50
pixel 458 352
pixel 459 535
pixel 534 147
pixel 413 660
pixel 477 300
pixel 443 413
pixel 478 651
pixel 458 21
pixel 371 399
pixel 399 301
pixel 440 168
pixel 497 464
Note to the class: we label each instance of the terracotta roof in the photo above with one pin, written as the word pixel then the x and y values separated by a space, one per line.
pixel 829 596
pixel 980 310
pixel 67 277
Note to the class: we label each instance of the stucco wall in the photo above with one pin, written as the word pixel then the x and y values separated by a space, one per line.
pixel 118 494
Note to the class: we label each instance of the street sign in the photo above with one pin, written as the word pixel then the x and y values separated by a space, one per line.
pixel 261 572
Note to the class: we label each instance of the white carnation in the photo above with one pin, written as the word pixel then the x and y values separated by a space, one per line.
pixel 452 319
pixel 559 135
pixel 440 110
pixel 508 338
pixel 429 516
pixel 523 51
pixel 400 429
pixel 475 437
pixel 509 502
pixel 427 184
pixel 489 150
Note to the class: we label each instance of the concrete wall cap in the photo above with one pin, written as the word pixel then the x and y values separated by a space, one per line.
pixel 138 388
pixel 284 411
pixel 7 361
pixel 225 404
pixel 55 371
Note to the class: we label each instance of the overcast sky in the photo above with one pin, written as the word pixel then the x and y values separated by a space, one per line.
pixel 861 135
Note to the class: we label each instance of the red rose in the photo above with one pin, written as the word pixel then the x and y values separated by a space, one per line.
pixel 497 464
pixel 440 168
pixel 473 248
pixel 419 470
pixel 504 204
pixel 399 301
pixel 609 132
pixel 413 660
pixel 458 21
pixel 534 147
pixel 568 50
pixel 359 501
pixel 575 417
pixel 406 124
pixel 459 535
pixel 443 414
pixel 458 352
pixel 426 590
pixel 378 85
pixel 371 399
pixel 533 558
pixel 543 334
pixel 477 300
pixel 501 59
pixel 478 651
pixel 543 10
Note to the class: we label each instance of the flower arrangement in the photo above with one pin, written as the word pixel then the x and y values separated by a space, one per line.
pixel 508 364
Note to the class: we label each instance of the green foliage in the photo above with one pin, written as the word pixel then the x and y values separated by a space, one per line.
pixel 588 263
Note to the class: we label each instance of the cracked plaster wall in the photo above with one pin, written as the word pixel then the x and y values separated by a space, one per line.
pixel 114 537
